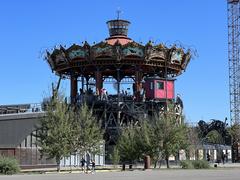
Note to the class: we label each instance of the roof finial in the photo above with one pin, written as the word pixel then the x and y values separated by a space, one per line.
pixel 118 13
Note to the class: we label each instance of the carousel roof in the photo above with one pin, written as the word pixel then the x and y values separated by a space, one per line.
pixel 119 51
pixel 118 39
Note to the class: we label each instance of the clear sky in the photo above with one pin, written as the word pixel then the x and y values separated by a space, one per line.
pixel 28 28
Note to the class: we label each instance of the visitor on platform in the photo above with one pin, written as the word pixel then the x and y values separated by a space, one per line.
pixel 89 91
pixel 78 98
pixel 81 95
pixel 81 91
pixel 104 94
pixel 97 93
pixel 122 95
pixel 144 96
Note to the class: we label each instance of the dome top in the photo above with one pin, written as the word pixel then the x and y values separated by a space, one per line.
pixel 118 32
pixel 118 27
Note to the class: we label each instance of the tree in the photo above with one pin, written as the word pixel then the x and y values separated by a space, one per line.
pixel 135 142
pixel 127 146
pixel 87 131
pixel 235 135
pixel 169 135
pixel 214 137
pixel 115 157
pixel 235 132
pixel 193 140
pixel 144 138
pixel 146 141
pixel 160 136
pixel 55 132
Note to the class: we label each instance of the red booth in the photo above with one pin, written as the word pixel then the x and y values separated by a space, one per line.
pixel 159 89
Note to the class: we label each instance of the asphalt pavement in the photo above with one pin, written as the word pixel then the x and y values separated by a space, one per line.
pixel 164 174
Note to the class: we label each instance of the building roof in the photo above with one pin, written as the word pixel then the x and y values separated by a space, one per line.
pixel 9 109
pixel 118 39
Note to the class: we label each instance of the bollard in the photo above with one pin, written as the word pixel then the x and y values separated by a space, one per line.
pixel 123 167
pixel 146 162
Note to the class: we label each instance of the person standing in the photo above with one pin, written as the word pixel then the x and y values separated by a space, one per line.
pixel 208 157
pixel 93 166
pixel 226 157
pixel 97 93
pixel 83 164
pixel 223 158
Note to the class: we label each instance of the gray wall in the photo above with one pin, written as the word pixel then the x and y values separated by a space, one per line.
pixel 14 128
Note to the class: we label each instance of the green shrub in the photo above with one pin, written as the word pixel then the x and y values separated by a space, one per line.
pixel 8 165
pixel 196 164
pixel 200 164
pixel 186 164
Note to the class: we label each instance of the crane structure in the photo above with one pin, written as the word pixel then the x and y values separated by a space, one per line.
pixel 234 59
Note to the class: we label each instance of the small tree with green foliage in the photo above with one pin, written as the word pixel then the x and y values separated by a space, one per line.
pixel 55 132
pixel 193 141
pixel 147 142
pixel 135 142
pixel 115 156
pixel 127 146
pixel 160 136
pixel 214 137
pixel 235 132
pixel 169 135
pixel 143 138
pixel 235 135
pixel 88 134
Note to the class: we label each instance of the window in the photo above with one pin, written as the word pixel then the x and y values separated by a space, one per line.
pixel 160 85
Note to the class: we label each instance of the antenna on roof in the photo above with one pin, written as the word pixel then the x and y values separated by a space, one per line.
pixel 118 13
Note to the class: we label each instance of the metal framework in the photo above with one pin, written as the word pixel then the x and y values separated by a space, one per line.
pixel 234 59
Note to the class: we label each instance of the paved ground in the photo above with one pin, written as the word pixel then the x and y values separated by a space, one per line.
pixel 172 174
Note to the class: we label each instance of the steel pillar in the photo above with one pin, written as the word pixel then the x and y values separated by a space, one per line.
pixel 138 84
pixel 99 81
pixel 74 89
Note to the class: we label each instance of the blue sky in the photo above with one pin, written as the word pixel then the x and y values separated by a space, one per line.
pixel 28 28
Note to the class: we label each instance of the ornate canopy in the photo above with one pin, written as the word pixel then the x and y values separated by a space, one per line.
pixel 119 51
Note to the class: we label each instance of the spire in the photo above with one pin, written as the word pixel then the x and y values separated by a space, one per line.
pixel 118 13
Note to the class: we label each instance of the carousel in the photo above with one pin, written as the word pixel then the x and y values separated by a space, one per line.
pixel 147 72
